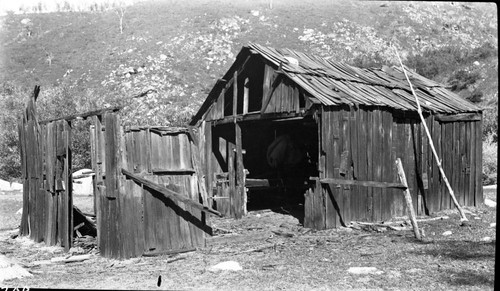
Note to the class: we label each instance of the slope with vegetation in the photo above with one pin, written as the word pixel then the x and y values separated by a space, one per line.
pixel 177 49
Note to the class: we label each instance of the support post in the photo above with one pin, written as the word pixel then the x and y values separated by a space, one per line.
pixel 409 203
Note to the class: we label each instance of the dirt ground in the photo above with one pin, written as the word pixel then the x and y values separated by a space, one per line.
pixel 276 252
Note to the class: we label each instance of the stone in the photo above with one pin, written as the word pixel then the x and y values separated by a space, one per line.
pixel 226 266
pixel 447 233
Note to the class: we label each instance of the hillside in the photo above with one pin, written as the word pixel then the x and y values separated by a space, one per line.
pixel 180 48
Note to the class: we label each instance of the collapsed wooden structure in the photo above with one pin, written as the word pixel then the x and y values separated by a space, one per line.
pixel 325 135
pixel 146 190
pixel 351 125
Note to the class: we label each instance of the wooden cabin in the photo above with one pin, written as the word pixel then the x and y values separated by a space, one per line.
pixel 288 130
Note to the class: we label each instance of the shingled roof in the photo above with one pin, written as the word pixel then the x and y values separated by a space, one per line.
pixel 334 83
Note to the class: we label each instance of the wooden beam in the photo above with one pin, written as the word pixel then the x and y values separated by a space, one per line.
pixel 458 117
pixel 173 171
pixel 409 204
pixel 359 183
pixel 172 195
pixel 230 82
pixel 245 96
pixel 235 94
pixel 253 116
pixel 84 115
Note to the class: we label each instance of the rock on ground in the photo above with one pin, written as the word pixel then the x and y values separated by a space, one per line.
pixel 229 265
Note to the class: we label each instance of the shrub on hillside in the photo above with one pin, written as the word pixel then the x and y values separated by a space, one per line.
pixel 490 122
pixel 490 152
pixel 432 63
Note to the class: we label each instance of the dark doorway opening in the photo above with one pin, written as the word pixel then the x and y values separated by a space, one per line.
pixel 280 157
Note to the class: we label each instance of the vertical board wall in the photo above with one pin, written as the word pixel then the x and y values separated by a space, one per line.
pixel 363 144
pixel 47 184
pixel 131 218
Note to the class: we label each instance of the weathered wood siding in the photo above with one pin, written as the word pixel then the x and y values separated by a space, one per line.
pixel 47 184
pixel 131 218
pixel 363 143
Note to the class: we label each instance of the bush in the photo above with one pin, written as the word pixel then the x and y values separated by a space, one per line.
pixel 490 122
pixel 445 60
pixel 490 152
pixel 11 104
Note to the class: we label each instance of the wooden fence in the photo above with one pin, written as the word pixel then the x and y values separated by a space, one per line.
pixel 148 195
pixel 47 184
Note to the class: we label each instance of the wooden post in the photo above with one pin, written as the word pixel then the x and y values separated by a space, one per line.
pixel 245 96
pixel 240 175
pixel 407 195
pixel 235 94
pixel 463 218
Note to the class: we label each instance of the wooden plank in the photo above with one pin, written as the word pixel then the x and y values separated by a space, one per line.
pixel 40 191
pixel 146 145
pixel 199 172
pixel 411 177
pixel 472 162
pixel 113 157
pixel 424 164
pixel 346 139
pixel 83 115
pixel 267 81
pixel 25 219
pixel 182 237
pixel 479 199
pixel 138 202
pixel 155 150
pixel 372 184
pixel 99 145
pixel 330 139
pixel 174 171
pixel 246 95
pixel 235 93
pixel 466 162
pixel 67 193
pixel 308 208
pixel 408 199
pixel 232 178
pixel 419 159
pixel 369 121
pixel 462 165
pixel 208 159
pixel 59 185
pixel 167 192
pixel 337 205
pixel 454 173
pixel 458 117
pixel 150 203
pixel 171 145
pixel 362 173
pixel 447 163
pixel 240 206
pixel 377 163
pixel 320 219
pixel 200 225
pixel 267 97
pixel 389 167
